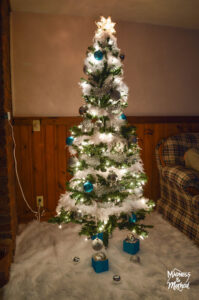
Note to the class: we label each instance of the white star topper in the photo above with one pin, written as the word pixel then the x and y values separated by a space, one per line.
pixel 105 25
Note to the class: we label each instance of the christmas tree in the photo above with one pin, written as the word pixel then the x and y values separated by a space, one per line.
pixel 106 190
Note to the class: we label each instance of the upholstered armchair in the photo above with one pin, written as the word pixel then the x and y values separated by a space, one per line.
pixel 179 186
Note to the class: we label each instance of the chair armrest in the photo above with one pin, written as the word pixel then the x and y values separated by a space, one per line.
pixel 181 176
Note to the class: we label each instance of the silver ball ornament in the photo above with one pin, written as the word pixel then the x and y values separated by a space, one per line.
pixel 122 56
pixel 99 123
pixel 116 278
pixel 83 110
pixel 97 244
pixel 76 259
pixel 115 94
pixel 112 177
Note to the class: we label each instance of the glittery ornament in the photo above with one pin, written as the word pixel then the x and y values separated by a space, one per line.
pixel 83 110
pixel 133 218
pixel 132 139
pixel 97 244
pixel 86 126
pixel 116 278
pixel 114 109
pixel 122 56
pixel 71 161
pixel 99 123
pixel 130 237
pixel 115 95
pixel 100 256
pixel 76 259
pixel 69 140
pixel 123 117
pixel 104 90
pixel 112 177
pixel 135 259
pixel 98 55
pixel 88 187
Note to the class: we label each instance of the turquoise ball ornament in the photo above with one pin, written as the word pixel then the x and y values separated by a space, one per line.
pixel 98 55
pixel 69 140
pixel 88 187
pixel 123 117
pixel 133 218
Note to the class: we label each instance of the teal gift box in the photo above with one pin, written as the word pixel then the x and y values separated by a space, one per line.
pixel 100 262
pixel 98 235
pixel 131 246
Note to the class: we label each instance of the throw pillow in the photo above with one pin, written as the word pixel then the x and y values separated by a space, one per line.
pixel 191 158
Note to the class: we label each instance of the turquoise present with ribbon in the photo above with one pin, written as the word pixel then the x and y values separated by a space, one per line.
pixel 98 235
pixel 131 246
pixel 99 262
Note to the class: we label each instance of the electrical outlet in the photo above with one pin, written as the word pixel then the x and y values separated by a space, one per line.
pixel 9 115
pixel 36 125
pixel 40 201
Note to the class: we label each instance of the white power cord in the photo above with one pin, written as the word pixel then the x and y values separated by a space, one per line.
pixel 36 213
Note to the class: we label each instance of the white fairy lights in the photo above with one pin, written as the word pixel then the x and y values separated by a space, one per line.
pixel 103 155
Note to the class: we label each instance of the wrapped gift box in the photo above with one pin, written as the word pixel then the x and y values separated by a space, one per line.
pixel 100 262
pixel 131 246
pixel 98 235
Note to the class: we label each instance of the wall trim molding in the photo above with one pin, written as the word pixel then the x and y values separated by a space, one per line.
pixel 131 119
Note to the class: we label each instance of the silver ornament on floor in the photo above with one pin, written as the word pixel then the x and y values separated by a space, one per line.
pixel 116 278
pixel 97 244
pixel 76 259
pixel 135 259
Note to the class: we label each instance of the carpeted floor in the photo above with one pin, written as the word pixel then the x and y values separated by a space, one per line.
pixel 43 267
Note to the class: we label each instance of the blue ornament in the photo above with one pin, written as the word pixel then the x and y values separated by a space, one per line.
pixel 88 187
pixel 123 117
pixel 69 140
pixel 133 218
pixel 98 55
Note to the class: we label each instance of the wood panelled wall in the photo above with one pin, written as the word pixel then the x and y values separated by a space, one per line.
pixel 8 219
pixel 42 156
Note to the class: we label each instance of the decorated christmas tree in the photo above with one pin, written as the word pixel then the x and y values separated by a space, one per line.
pixel 106 188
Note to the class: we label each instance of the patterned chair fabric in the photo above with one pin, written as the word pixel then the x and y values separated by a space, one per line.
pixel 176 146
pixel 177 204
pixel 181 176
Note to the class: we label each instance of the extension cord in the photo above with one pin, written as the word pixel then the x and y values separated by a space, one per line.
pixel 36 213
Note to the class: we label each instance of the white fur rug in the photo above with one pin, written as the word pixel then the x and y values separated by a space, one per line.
pixel 43 267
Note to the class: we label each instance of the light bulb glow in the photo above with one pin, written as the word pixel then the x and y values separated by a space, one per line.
pixel 105 25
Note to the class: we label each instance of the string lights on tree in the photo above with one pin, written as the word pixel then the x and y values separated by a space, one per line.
pixel 106 190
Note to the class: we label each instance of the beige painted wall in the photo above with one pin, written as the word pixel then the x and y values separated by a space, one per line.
pixel 161 66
